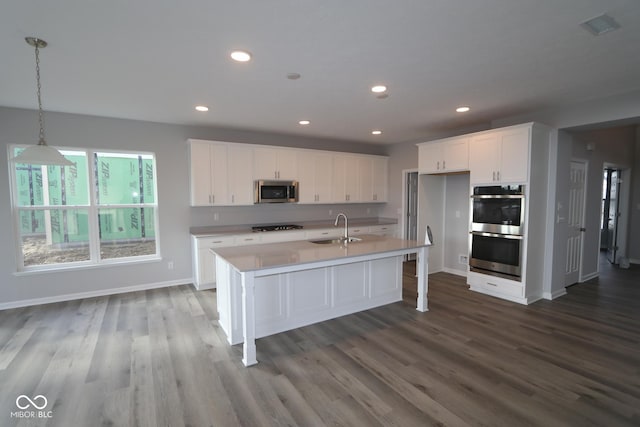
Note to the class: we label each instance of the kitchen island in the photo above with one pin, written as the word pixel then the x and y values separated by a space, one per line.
pixel 270 288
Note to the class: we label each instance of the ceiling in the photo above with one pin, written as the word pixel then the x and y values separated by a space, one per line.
pixel 155 60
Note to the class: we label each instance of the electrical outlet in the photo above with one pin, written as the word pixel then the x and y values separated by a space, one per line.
pixel 170 265
pixel 463 259
pixel 216 216
pixel 330 212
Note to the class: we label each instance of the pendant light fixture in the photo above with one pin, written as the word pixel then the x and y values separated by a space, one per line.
pixel 40 154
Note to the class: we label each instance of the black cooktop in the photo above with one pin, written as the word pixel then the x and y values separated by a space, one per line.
pixel 276 227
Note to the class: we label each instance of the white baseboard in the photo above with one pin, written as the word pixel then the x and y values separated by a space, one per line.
pixel 555 294
pixel 454 271
pixel 92 294
pixel 589 276
pixel 634 261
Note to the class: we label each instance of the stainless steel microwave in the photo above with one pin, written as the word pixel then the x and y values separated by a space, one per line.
pixel 275 191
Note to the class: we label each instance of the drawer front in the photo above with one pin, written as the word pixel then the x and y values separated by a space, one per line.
pixel 503 287
pixel 215 242
pixel 324 233
pixel 248 239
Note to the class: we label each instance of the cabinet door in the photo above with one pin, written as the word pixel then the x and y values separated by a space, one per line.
pixel 265 163
pixel 240 174
pixel 380 179
pixel 200 167
pixel 306 177
pixel 484 157
pixel 287 164
pixel 514 156
pixel 455 155
pixel 430 158
pixel 323 177
pixel 365 178
pixel 219 179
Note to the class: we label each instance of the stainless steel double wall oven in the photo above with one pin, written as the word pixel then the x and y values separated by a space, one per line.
pixel 497 230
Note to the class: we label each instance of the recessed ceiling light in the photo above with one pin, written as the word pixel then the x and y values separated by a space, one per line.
pixel 304 122
pixel 379 89
pixel 202 108
pixel 240 56
pixel 463 109
pixel 600 24
pixel 376 132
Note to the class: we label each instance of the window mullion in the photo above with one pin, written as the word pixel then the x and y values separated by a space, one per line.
pixel 94 226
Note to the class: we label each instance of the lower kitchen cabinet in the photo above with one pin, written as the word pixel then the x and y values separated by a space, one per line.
pixel 497 286
pixel 204 271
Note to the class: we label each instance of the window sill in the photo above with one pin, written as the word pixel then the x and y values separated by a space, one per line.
pixel 76 267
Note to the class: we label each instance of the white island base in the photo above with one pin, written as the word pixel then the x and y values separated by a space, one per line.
pixel 267 289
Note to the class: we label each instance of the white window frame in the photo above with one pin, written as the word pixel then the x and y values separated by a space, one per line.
pixel 92 210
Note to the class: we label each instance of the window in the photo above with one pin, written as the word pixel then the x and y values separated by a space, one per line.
pixel 101 210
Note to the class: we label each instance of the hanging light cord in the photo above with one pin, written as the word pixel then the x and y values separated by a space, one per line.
pixel 40 112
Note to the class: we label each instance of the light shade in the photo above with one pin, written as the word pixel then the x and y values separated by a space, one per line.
pixel 41 154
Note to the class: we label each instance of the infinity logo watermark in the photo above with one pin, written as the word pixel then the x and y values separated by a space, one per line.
pixel 30 402
pixel 38 402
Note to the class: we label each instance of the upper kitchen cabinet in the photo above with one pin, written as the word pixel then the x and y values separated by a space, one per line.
pixel 373 174
pixel 240 175
pixel 346 178
pixel 500 156
pixel 221 173
pixel 444 156
pixel 208 165
pixel 315 171
pixel 275 163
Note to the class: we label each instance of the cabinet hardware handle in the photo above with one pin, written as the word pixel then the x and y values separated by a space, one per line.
pixel 492 284
pixel 438 165
pixel 444 164
pixel 498 173
pixel 217 241
pixel 494 176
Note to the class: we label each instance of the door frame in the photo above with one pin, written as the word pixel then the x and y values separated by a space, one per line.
pixel 405 207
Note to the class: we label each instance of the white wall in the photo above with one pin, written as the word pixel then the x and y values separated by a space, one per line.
pixel 175 215
pixel 456 222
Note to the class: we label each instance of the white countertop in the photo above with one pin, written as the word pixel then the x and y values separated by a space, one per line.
pixel 272 255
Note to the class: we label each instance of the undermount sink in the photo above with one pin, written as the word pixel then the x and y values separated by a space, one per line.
pixel 340 240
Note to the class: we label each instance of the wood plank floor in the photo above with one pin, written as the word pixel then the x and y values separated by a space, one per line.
pixel 159 358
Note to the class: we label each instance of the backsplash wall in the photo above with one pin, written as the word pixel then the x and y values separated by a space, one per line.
pixel 279 213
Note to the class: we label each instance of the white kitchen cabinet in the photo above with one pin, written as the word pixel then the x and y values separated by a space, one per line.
pixel 380 179
pixel 444 156
pixel 373 176
pixel 240 174
pixel 275 163
pixel 315 176
pixel 500 156
pixel 346 179
pixel 204 272
pixel 208 165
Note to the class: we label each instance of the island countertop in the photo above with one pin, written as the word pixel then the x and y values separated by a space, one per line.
pixel 274 255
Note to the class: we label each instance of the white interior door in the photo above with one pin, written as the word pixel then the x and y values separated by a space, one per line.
pixel 577 187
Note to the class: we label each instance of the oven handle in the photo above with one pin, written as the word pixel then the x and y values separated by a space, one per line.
pixel 497 196
pixel 502 236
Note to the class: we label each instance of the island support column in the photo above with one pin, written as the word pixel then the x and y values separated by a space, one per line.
pixel 423 279
pixel 248 319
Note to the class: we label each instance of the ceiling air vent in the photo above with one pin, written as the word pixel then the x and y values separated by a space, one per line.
pixel 600 25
